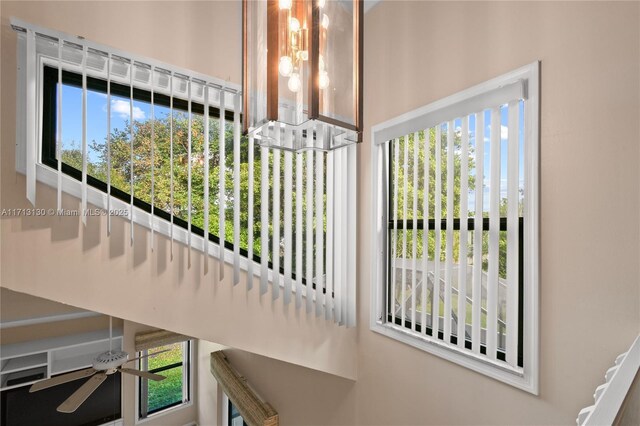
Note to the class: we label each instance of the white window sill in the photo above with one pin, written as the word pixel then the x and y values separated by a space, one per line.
pixel 479 363
pixel 163 413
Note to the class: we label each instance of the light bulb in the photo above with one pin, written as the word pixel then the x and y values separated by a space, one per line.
pixel 303 54
pixel 285 4
pixel 321 3
pixel 325 21
pixel 320 62
pixel 324 79
pixel 285 66
pixel 294 25
pixel 294 82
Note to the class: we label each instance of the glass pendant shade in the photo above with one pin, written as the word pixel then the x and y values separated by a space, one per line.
pixel 302 72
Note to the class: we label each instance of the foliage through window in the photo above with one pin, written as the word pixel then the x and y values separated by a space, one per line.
pixel 118 154
pixel 174 390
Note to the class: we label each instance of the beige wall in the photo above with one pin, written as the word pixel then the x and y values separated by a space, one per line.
pixel 208 391
pixel 21 307
pixel 16 306
pixel 416 52
pixel 60 259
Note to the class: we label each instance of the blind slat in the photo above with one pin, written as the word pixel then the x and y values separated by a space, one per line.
pixel 414 273
pixel 189 170
pixel 264 219
pixel 448 274
pixel 59 128
pixel 131 166
pixel 464 236
pixel 171 179
pixel 250 214
pixel 222 190
pixel 84 139
pixel 31 121
pixel 338 237
pixel 153 142
pixel 405 178
pixel 299 236
pixel 275 289
pixel 329 311
pixel 108 145
pixel 309 233
pixel 513 150
pixel 206 179
pixel 425 233
pixel 319 187
pixel 288 195
pixel 435 302
pixel 236 188
pixel 476 307
pixel 494 235
pixel 394 249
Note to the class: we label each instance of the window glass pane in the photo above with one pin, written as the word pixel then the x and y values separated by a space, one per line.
pixel 142 150
pixel 166 124
pixel 72 126
pixel 96 135
pixel 161 158
pixel 173 355
pixel 166 392
pixel 197 170
pixel 180 164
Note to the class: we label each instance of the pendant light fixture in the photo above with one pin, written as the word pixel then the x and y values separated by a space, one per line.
pixel 302 72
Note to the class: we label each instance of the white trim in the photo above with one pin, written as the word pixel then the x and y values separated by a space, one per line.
pixel 225 85
pixel 224 409
pixel 51 318
pixel 609 402
pixel 527 78
pixel 494 92
pixel 192 349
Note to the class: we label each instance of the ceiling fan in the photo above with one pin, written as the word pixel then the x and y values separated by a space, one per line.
pixel 104 364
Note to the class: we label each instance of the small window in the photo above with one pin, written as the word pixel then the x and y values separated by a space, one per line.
pixel 457 224
pixel 174 390
pixel 233 415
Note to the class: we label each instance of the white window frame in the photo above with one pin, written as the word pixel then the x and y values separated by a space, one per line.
pixel 464 102
pixel 188 395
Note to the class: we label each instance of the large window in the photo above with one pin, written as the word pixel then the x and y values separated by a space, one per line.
pixel 117 155
pixel 174 364
pixel 456 187
pixel 166 146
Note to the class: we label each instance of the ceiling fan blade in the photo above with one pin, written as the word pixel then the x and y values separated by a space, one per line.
pixel 76 399
pixel 149 355
pixel 64 378
pixel 144 374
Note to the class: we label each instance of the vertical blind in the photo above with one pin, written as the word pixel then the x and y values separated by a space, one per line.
pixel 455 228
pixel 285 211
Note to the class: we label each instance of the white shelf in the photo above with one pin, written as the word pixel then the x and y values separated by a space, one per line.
pixel 23 373
pixel 54 355
pixel 44 345
pixel 24 362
